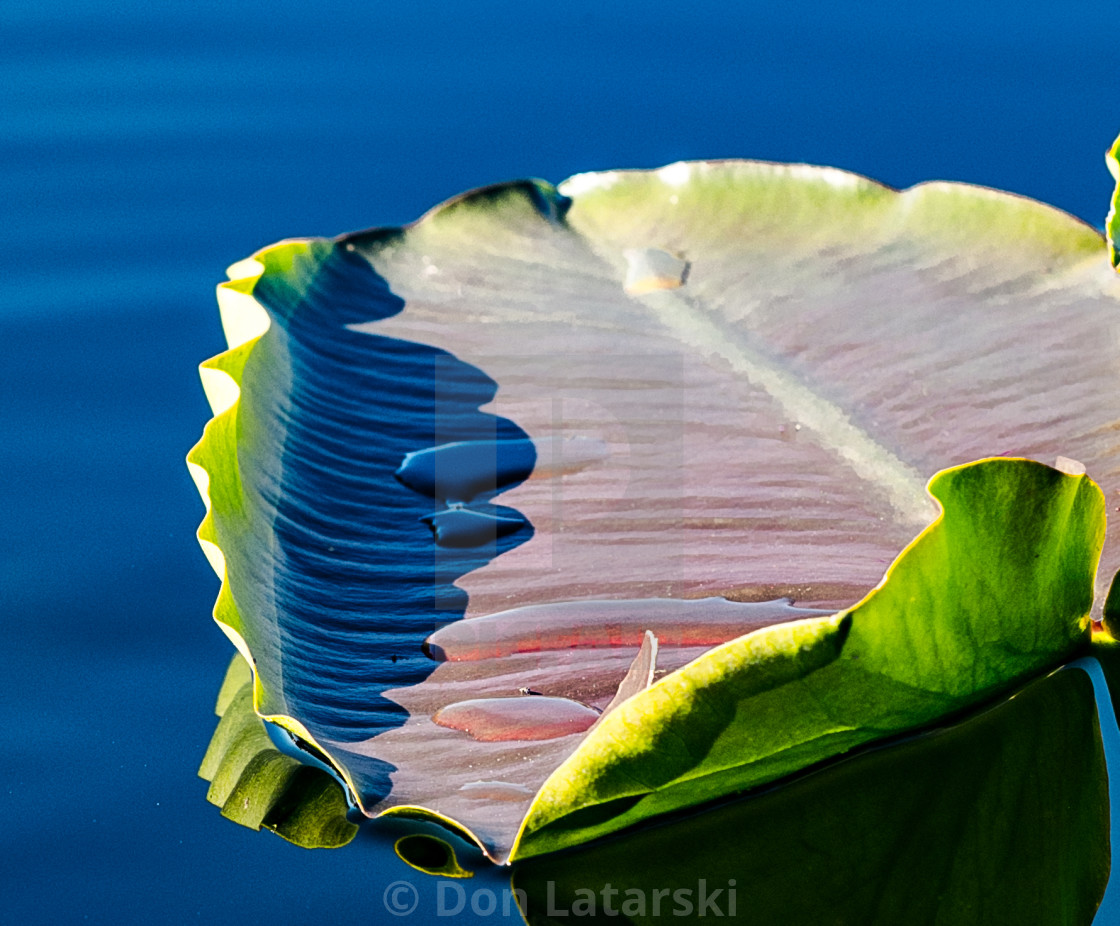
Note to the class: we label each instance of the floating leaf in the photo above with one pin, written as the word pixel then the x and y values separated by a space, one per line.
pixel 994 819
pixel 927 643
pixel 538 423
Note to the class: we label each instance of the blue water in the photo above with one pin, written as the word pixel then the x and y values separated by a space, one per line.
pixel 144 146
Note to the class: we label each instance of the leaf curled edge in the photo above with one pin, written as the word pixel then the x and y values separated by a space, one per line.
pixel 997 588
pixel 1112 223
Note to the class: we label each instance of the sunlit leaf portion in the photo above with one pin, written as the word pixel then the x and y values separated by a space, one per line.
pixel 1000 818
pixel 1112 223
pixel 995 590
pixel 473 461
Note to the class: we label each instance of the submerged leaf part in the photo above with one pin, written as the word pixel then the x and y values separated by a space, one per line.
pixel 431 855
pixel 518 719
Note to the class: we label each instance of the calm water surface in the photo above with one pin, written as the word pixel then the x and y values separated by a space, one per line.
pixel 143 147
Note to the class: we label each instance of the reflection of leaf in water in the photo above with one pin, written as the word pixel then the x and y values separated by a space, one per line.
pixel 994 820
pixel 731 380
pixel 257 785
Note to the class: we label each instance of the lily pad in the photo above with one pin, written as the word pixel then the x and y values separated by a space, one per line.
pixel 478 458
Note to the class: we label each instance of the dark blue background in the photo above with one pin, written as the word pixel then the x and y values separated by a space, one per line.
pixel 145 145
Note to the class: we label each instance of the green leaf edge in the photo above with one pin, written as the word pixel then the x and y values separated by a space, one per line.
pixel 822 640
pixel 1112 222
pixel 244 321
pixel 822 834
